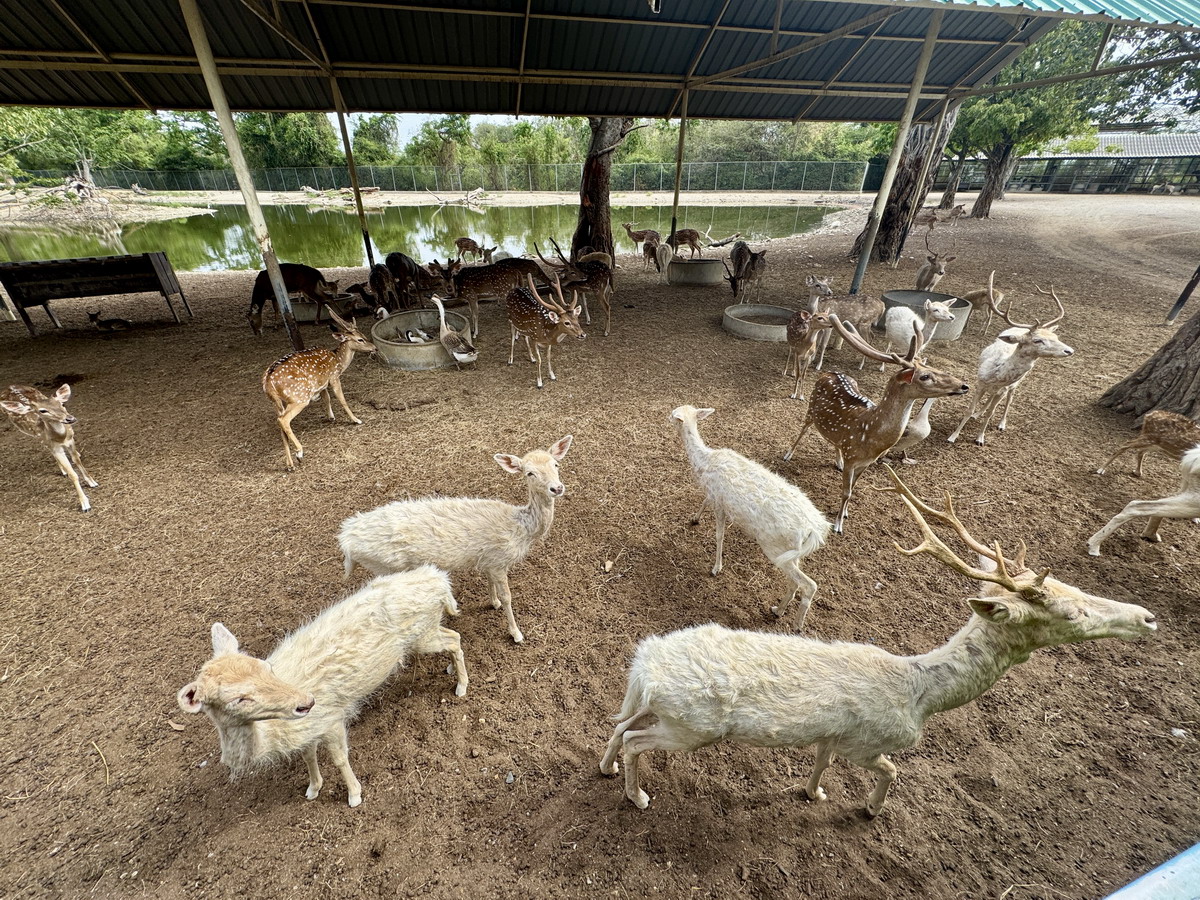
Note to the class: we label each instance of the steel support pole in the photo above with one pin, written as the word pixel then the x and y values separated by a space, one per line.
pixel 340 105
pixel 679 166
pixel 893 163
pixel 216 93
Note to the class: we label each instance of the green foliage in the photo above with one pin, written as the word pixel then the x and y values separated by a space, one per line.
pixel 374 140
pixel 281 140
pixel 1159 94
pixel 192 141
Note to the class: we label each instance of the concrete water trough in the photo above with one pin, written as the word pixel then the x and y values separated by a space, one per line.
pixel 701 270
pixel 915 300
pixel 757 321
pixel 306 310
pixel 397 352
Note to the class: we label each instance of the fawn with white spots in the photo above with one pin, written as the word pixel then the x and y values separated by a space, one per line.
pixel 1169 433
pixel 860 431
pixel 804 332
pixel 47 419
pixel 462 533
pixel 299 378
pixel 706 684
pixel 306 692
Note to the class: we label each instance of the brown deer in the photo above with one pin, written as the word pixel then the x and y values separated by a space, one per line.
pixel 926 216
pixel 643 237
pixel 687 236
pixel 297 278
pixel 465 245
pixel 1169 433
pixel 47 419
pixel 932 271
pixel 590 273
pixel 860 431
pixel 979 300
pixel 650 255
pixel 107 324
pixel 384 287
pixel 542 323
pixel 297 379
pixel 476 282
pixel 859 310
pixel 804 330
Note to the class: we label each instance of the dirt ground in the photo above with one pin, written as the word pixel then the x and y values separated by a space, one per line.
pixel 1077 772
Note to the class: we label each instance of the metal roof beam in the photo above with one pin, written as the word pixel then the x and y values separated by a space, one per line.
pixel 856 25
pixel 98 50
pixel 524 44
pixel 698 56
pixel 1079 76
pixel 283 32
pixel 838 74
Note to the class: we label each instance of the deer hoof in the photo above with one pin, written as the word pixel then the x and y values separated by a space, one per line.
pixel 357 421
pixel 612 771
pixel 641 799
pixel 952 439
pixel 817 796
pixel 1093 551
pixel 979 442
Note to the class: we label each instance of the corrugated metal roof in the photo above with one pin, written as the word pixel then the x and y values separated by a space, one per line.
pixel 582 57
pixel 1124 144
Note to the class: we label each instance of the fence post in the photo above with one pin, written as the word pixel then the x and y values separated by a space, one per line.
pixel 744 164
pixel 717 177
pixel 832 175
pixel 774 169
pixel 862 182
pixel 556 178
pixel 804 176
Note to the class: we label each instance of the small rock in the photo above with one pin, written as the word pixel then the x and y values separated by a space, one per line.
pixel 510 778
pixel 608 564
pixel 1179 732
pixel 475 751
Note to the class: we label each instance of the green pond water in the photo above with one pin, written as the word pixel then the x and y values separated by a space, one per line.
pixel 328 238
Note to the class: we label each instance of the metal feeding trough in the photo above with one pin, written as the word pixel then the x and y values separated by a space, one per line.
pixel 306 310
pixel 695 271
pixel 757 322
pixel 915 300
pixel 398 352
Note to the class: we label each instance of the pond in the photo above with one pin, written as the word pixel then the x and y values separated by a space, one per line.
pixel 329 238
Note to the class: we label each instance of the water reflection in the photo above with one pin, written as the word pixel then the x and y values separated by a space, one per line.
pixel 324 237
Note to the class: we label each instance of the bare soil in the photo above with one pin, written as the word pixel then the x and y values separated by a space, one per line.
pixel 1077 772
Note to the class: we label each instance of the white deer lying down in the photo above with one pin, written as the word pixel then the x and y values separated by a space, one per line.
pixel 309 688
pixel 709 683
pixel 1183 505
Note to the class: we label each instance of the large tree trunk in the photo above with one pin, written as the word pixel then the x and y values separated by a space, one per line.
pixel 956 174
pixel 595 221
pixel 993 180
pixel 1169 380
pixel 1014 160
pixel 906 194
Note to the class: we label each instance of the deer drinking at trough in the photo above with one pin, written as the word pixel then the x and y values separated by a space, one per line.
pixel 465 533
pixel 776 513
pixel 542 322
pixel 1185 504
pixel 297 278
pixel 860 431
pixel 299 378
pixel 305 693
pixel 705 684
pixel 1005 363
pixel 1169 433
pixel 47 419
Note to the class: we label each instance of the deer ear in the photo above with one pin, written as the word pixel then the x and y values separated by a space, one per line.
pixel 928 304
pixel 704 413
pixel 509 463
pixel 189 699
pixel 63 394
pixel 1009 338
pixel 223 640
pixel 17 409
pixel 951 258
pixel 906 375
pixel 809 281
pixel 560 447
pixel 577 311
pixel 991 609
pixel 932 258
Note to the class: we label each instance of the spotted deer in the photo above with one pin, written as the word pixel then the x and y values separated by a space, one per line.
pixel 297 379
pixel 589 273
pixel 689 237
pixel 643 237
pixel 47 419
pixel 859 310
pixel 1169 433
pixel 476 282
pixel 465 245
pixel 804 332
pixel 860 431
pixel 543 323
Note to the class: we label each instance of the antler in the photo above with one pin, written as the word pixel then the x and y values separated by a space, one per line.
pixel 558 250
pixel 1002 313
pixel 342 323
pixel 935 547
pixel 550 265
pixel 855 340
pixel 1061 311
pixel 552 305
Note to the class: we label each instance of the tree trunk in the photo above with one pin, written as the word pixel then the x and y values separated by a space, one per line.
pixel 595 220
pixel 85 168
pixel 906 195
pixel 993 180
pixel 1169 380
pixel 956 174
pixel 1014 160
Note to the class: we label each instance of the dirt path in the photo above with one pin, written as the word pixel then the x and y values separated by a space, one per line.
pixel 1078 771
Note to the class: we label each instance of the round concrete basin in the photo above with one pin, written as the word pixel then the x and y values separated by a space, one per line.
pixel 757 322
pixel 306 311
pixel 695 271
pixel 915 300
pixel 398 352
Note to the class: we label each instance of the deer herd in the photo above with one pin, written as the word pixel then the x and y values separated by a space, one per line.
pixel 699 685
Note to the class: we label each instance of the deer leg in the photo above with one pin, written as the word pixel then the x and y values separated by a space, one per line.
pixel 822 342
pixel 549 364
pixel 717 564
pixel 501 581
pixel 1008 401
pixel 849 476
pixel 60 456
pixel 802 584
pixel 338 745
pixel 606 302
pixel 1127 446
pixel 886 770
pixel 824 757
pixel 986 417
pixel 328 404
pixel 77 459
pixel 657 737
pixel 788 365
pixel 1180 506
pixel 473 305
pixel 285 423
pixel 449 642
pixel 538 348
pixel 315 781
pixel 336 384
pixel 512 347
pixel 799 438
pixel 1140 456
pixel 608 762
pixel 1151 533
pixel 529 349
pixel 965 419
pixel 695 520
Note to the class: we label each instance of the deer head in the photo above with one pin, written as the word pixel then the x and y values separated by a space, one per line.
pixel 51 410
pixel 1036 339
pixel 446 273
pixel 818 289
pixel 915 378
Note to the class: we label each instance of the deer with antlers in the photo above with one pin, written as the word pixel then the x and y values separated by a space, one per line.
pixel 934 269
pixel 474 283
pixel 543 323
pixel 590 273
pixel 708 683
pixel 860 431
pixel 47 419
pixel 1005 363
pixel 297 379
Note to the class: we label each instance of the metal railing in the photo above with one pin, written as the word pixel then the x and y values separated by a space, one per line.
pixel 810 175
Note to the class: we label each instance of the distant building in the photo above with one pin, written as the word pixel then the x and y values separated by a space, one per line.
pixel 1121 162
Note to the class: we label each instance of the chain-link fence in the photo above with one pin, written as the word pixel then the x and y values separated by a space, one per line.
pixel 812 175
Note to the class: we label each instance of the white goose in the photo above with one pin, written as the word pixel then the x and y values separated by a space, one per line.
pixel 460 349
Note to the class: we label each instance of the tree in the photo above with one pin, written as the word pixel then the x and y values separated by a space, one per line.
pixel 374 141
pixel 81 138
pixel 277 140
pixel 594 228
pixel 193 142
